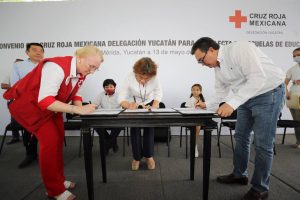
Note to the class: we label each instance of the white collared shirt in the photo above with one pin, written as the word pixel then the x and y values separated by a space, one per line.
pixel 52 77
pixel 190 103
pixel 20 70
pixel 246 71
pixel 103 100
pixel 132 90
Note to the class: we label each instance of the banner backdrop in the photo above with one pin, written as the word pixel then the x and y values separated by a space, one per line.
pixel 163 30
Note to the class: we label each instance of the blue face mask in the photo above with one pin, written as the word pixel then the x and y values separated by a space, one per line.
pixel 297 59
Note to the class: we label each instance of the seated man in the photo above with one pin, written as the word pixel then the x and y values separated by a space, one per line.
pixel 108 99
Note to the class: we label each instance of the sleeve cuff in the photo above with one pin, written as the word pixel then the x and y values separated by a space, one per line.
pixel 77 98
pixel 47 101
pixel 234 103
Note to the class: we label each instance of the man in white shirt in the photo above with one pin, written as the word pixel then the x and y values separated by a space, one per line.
pixel 257 94
pixel 108 99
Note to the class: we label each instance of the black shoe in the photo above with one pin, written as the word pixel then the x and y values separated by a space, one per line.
pixel 13 141
pixel 27 161
pixel 253 194
pixel 231 179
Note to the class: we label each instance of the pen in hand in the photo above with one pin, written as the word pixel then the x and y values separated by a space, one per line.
pixel 96 106
pixel 137 106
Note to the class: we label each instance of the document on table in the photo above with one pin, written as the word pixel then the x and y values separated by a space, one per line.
pixel 103 111
pixel 193 111
pixel 156 110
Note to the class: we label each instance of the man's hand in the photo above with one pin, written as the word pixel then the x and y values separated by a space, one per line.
pixel 225 110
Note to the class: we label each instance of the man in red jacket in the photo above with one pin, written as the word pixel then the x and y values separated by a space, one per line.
pixel 41 97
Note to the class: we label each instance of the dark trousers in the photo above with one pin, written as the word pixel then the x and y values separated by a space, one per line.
pixel 110 139
pixel 142 149
pixel 30 143
pixel 15 133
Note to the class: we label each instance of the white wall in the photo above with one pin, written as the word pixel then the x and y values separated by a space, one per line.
pixel 99 20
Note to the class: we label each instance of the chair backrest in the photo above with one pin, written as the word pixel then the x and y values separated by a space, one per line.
pixel 279 118
pixel 162 105
pixel 182 105
pixel 161 133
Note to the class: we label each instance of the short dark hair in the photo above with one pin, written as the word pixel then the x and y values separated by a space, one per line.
pixel 204 44
pixel 28 45
pixel 298 49
pixel 107 82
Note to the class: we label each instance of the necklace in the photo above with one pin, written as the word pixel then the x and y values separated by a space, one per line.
pixel 143 98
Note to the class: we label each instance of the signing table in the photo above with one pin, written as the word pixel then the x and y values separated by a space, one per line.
pixel 142 118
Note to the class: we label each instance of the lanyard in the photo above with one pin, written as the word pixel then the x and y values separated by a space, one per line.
pixel 142 97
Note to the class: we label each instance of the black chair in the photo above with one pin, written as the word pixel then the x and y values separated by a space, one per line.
pixel 163 134
pixel 230 123
pixel 284 123
pixel 125 131
pixel 11 127
pixel 71 125
pixel 211 124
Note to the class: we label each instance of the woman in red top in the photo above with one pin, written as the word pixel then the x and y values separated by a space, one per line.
pixel 40 98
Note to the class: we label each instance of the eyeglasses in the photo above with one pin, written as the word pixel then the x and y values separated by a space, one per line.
pixel 201 60
pixel 93 68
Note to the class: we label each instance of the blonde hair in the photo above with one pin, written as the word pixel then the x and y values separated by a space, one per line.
pixel 88 51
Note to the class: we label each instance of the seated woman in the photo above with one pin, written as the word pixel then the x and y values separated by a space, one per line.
pixel 109 99
pixel 142 88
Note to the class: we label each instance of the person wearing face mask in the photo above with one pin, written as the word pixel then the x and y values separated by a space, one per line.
pixel 108 99
pixel 142 88
pixel 293 75
pixel 41 97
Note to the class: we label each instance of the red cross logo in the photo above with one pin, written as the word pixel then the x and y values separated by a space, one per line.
pixel 238 18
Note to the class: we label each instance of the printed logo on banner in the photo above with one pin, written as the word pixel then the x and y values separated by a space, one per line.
pixel 259 20
pixel 238 19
